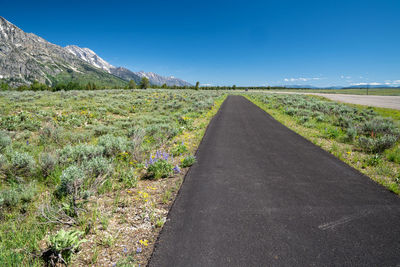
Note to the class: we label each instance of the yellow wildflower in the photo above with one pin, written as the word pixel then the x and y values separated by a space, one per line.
pixel 144 242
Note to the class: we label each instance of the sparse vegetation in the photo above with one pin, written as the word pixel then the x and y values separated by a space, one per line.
pixel 64 154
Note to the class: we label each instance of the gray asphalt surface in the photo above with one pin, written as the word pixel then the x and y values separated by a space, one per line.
pixel 261 195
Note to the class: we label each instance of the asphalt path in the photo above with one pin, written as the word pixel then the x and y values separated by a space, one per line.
pixel 261 195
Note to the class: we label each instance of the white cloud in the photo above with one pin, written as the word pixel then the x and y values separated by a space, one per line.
pixel 395 82
pixel 387 82
pixel 345 77
pixel 206 84
pixel 374 83
pixel 300 79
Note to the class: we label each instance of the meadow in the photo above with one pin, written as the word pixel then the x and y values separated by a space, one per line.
pixel 366 138
pixel 87 177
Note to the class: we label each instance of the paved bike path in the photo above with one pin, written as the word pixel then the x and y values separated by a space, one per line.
pixel 261 195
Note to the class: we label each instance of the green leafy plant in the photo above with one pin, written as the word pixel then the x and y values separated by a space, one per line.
pixel 374 160
pixel 188 161
pixel 62 246
pixel 159 169
pixel 179 150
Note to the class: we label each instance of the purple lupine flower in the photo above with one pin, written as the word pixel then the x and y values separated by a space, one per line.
pixel 27 142
pixel 125 250
pixel 177 169
pixel 138 250
pixel 165 156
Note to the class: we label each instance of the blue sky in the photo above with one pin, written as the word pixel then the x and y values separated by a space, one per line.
pixel 321 43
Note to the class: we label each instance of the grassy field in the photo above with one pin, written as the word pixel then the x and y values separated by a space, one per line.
pixel 88 177
pixel 363 91
pixel 82 172
pixel 365 138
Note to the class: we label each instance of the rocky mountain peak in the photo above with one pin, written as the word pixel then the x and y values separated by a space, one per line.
pixel 90 57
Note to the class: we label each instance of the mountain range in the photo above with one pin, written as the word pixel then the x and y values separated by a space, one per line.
pixel 25 57
pixel 92 58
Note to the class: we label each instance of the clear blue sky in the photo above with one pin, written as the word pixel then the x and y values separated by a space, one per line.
pixel 320 42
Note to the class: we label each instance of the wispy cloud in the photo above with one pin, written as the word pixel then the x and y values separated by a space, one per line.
pixel 301 79
pixel 374 83
pixel 395 82
pixel 388 82
pixel 345 77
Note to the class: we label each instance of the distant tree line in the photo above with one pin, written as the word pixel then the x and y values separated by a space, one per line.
pixel 144 84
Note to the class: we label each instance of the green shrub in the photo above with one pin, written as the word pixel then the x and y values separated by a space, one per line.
pixel 393 155
pixel 71 181
pixel 113 145
pixel 332 132
pixel 63 244
pixel 98 166
pixel 128 178
pixel 291 111
pixel 79 153
pixel 159 169
pixel 162 131
pixel 47 163
pixel 17 193
pixel 373 160
pixel 320 118
pixel 379 126
pixel 136 132
pixel 304 119
pixel 385 170
pixel 344 122
pixel 5 141
pixel 103 130
pixel 376 145
pixel 3 163
pixel 188 161
pixel 50 133
pixel 22 163
pixel 351 133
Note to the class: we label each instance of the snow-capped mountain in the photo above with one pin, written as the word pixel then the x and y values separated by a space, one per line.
pixel 154 78
pixel 90 57
pixel 25 57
